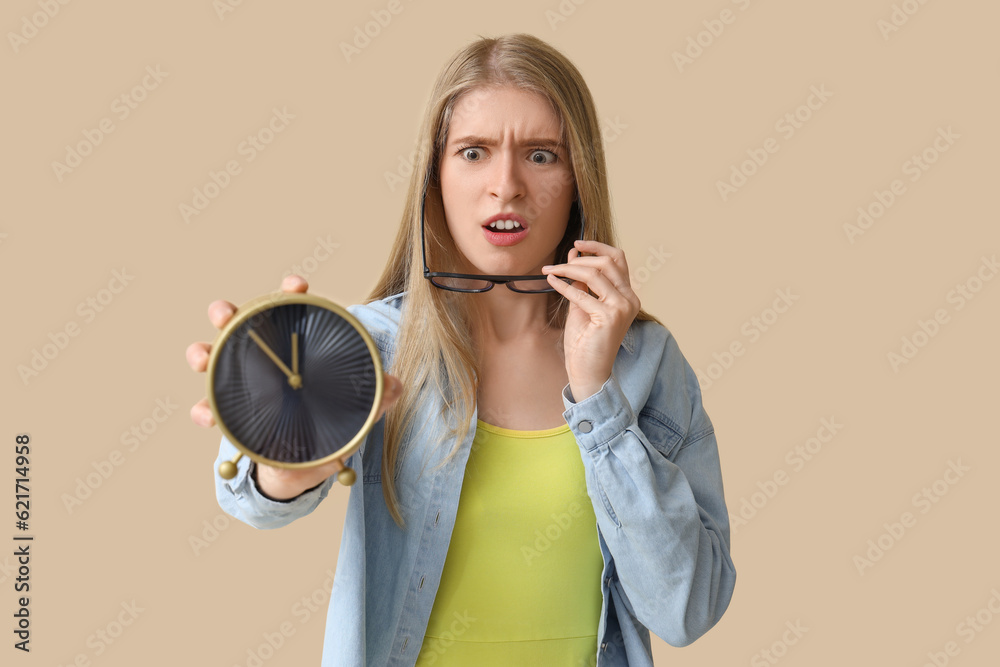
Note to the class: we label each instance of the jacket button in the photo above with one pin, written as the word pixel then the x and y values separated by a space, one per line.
pixel 586 426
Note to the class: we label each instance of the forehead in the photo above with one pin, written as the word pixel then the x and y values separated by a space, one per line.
pixel 496 112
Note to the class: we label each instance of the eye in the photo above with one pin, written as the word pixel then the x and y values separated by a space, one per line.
pixel 465 151
pixel 535 152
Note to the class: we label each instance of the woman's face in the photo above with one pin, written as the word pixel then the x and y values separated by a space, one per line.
pixel 504 157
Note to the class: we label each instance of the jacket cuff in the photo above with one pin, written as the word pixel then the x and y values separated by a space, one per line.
pixel 599 417
pixel 247 500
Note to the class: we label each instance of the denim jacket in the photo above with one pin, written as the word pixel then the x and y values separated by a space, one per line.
pixel 652 473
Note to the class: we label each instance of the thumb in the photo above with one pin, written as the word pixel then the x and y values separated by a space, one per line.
pixel 392 390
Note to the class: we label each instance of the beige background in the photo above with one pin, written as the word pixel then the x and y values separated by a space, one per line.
pixel 672 133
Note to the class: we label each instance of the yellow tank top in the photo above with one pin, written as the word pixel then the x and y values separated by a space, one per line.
pixel 522 580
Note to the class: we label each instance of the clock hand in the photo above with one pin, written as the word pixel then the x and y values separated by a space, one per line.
pixel 293 378
pixel 295 353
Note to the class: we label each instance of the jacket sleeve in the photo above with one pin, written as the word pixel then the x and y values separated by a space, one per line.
pixel 660 507
pixel 240 498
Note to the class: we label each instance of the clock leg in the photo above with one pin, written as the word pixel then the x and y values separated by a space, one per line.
pixel 346 476
pixel 227 469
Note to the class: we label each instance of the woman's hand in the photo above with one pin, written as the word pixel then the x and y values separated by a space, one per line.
pixel 277 483
pixel 596 324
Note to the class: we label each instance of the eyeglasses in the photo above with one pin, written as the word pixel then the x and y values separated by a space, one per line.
pixel 465 282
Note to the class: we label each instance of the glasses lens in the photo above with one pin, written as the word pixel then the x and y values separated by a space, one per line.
pixel 531 286
pixel 461 284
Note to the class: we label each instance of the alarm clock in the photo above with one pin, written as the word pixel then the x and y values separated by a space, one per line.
pixel 294 381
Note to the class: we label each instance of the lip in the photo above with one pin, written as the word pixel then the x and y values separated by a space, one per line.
pixel 505 238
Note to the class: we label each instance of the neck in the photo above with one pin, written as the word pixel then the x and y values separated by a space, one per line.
pixel 502 316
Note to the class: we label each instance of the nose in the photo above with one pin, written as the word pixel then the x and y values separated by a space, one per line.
pixel 507 181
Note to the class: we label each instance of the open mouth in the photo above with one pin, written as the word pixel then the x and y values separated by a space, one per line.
pixel 505 232
pixel 504 226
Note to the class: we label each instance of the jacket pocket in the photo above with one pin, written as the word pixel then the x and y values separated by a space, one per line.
pixel 662 433
pixel 607 505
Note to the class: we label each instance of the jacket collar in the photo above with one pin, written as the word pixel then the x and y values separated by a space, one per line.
pixel 629 341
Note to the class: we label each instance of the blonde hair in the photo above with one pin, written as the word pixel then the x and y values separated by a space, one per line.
pixel 434 348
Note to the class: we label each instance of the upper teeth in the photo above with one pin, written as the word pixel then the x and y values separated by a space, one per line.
pixel 505 224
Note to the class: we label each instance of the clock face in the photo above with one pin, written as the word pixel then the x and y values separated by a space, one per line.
pixel 295 381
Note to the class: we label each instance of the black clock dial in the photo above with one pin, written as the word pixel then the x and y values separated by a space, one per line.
pixel 269 416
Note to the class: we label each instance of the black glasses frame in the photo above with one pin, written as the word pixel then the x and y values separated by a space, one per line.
pixel 492 280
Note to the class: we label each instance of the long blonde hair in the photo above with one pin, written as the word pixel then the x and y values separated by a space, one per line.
pixel 434 348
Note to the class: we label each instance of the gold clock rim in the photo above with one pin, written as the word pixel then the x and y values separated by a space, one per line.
pixel 272 300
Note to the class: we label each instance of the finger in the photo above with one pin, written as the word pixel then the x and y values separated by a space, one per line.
pixel 617 273
pixel 197 356
pixel 201 414
pixel 616 255
pixel 294 283
pixel 595 279
pixel 220 312
pixel 610 261
pixel 392 390
pixel 574 294
pixel 596 247
pixel 615 278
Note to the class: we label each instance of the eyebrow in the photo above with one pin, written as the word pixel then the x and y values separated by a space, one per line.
pixel 489 141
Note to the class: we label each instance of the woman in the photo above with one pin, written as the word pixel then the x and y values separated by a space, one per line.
pixel 545 488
